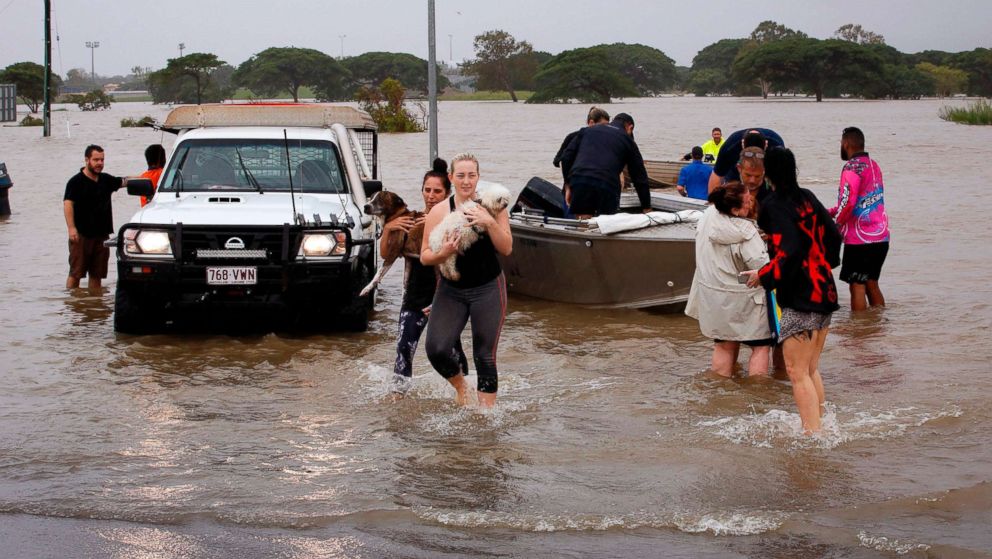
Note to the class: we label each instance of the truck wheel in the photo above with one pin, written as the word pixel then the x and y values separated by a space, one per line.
pixel 355 315
pixel 130 316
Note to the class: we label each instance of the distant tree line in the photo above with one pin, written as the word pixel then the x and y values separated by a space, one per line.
pixel 772 60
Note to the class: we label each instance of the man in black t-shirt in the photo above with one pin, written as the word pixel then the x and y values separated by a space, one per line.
pixel 89 218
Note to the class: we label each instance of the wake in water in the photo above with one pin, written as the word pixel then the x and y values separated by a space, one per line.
pixel 781 428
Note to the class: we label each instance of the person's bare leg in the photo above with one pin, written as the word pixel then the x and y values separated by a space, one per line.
pixel 757 364
pixel 778 364
pixel 462 394
pixel 95 286
pixel 819 340
pixel 875 297
pixel 798 351
pixel 859 301
pixel 71 282
pixel 723 358
pixel 486 399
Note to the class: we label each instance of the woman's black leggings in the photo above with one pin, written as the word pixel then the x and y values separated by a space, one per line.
pixel 411 324
pixel 452 309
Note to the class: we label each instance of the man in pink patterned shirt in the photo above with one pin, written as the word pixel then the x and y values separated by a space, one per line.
pixel 860 216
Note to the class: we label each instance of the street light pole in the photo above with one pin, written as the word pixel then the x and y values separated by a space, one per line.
pixel 342 37
pixel 451 56
pixel 93 45
pixel 181 47
pixel 431 82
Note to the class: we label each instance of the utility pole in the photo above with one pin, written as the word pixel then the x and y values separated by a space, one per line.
pixel 431 82
pixel 93 45
pixel 342 37
pixel 451 56
pixel 47 112
pixel 181 47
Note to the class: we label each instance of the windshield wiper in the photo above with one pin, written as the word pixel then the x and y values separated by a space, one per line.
pixel 251 178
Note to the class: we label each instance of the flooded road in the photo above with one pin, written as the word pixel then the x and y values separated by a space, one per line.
pixel 607 441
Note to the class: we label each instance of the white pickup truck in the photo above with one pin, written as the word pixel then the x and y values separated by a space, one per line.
pixel 259 209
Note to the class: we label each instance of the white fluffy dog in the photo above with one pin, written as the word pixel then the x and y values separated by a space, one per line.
pixel 494 198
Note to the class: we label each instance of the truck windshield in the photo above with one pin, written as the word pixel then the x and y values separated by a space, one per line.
pixel 250 164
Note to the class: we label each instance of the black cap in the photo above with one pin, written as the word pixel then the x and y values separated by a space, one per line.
pixel 697 152
pixel 754 138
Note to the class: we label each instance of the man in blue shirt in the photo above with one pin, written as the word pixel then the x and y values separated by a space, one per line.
pixel 695 177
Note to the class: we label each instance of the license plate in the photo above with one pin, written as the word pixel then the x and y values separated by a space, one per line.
pixel 232 275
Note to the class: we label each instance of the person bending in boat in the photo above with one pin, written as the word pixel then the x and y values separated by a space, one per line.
pixel 592 164
pixel 479 295
pixel 419 283
pixel 725 169
pixel 729 312
pixel 804 245
pixel 595 116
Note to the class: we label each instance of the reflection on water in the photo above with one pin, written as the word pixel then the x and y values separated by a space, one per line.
pixel 608 435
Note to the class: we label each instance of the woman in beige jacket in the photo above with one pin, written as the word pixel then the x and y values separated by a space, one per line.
pixel 727 309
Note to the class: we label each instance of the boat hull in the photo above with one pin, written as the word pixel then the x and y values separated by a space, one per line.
pixel 591 269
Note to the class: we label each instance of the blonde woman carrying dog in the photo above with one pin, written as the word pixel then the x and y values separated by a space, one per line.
pixel 478 295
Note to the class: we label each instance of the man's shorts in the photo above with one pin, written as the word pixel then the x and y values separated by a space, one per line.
pixel 863 263
pixel 88 257
pixel 592 197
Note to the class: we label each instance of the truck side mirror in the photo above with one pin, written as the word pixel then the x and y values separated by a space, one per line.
pixel 140 187
pixel 371 187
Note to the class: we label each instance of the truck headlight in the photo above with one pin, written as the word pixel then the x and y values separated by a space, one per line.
pixel 139 242
pixel 324 244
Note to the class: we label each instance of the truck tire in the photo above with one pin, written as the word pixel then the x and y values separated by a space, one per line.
pixel 133 317
pixel 355 315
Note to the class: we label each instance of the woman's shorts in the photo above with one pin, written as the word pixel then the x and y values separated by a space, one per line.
pixel 752 343
pixel 863 263
pixel 798 322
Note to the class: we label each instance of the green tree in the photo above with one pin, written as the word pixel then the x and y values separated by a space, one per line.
pixel 77 77
pixel 810 64
pixel 585 74
pixel 947 81
pixel 712 68
pixel 857 34
pixel 768 32
pixel 978 64
pixel 29 78
pixel 385 105
pixel 500 60
pixel 650 70
pixel 279 69
pixel 194 78
pixel 375 67
pixel 899 81
pixel 195 69
pixel 92 101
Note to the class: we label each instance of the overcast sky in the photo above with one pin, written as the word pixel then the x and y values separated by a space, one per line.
pixel 147 33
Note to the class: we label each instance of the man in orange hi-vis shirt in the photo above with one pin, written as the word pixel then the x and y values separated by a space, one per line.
pixel 155 157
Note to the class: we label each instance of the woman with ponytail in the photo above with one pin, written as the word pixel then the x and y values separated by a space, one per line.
pixel 419 282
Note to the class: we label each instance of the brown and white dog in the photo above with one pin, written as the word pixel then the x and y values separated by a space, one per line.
pixel 491 196
pixel 388 206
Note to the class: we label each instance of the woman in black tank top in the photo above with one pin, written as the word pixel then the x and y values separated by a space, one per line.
pixel 479 295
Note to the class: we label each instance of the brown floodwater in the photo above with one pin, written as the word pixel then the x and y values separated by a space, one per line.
pixel 608 439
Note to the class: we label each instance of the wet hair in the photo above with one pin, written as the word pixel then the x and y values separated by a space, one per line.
pixel 855 137
pixel 753 138
pixel 598 115
pixel 697 152
pixel 464 157
pixel 439 170
pixel 755 160
pixel 91 148
pixel 780 169
pixel 623 118
pixel 155 155
pixel 728 197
